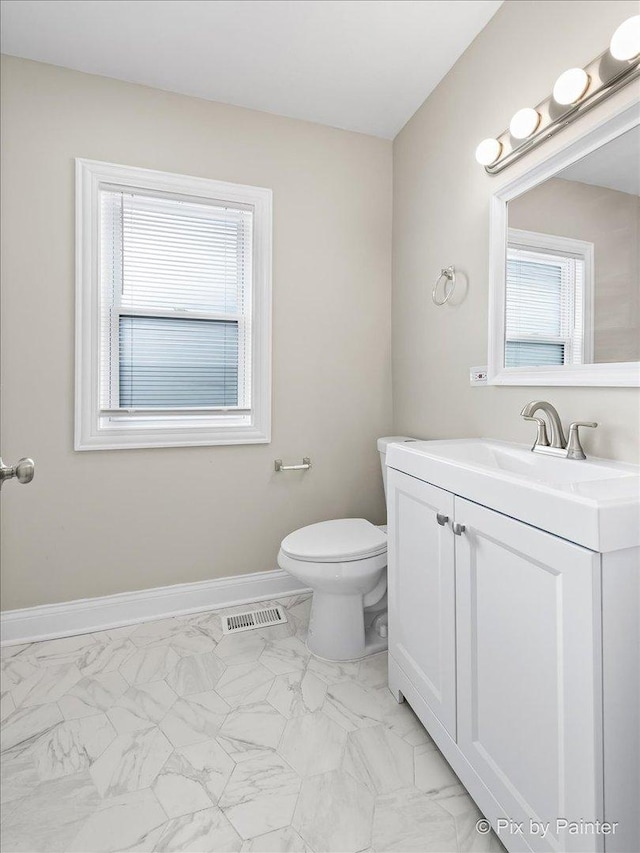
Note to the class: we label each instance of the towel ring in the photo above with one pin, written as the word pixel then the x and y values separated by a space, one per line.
pixel 450 285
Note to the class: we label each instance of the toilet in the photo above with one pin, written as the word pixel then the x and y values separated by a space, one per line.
pixel 344 562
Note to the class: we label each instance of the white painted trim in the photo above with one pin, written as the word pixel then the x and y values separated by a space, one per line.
pixel 85 615
pixel 615 374
pixel 90 434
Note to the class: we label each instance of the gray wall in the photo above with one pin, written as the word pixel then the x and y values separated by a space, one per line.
pixel 100 522
pixel 441 217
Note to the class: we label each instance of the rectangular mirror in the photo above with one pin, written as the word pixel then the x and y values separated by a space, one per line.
pixel 565 265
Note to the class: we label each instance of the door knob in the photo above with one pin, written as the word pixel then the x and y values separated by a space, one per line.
pixel 23 471
pixel 441 519
pixel 458 528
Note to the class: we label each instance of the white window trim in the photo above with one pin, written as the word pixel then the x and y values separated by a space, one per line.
pixel 234 427
pixel 566 247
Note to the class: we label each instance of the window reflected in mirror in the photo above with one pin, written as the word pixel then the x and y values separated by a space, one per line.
pixel 548 305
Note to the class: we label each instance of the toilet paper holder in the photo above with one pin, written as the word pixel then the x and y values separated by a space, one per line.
pixel 306 464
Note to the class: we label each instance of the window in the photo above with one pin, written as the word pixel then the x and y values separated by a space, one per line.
pixel 173 310
pixel 548 300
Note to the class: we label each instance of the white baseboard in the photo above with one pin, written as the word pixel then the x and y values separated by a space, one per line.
pixel 85 615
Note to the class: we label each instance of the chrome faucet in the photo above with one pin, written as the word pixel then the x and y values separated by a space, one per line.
pixel 558 446
pixel 555 425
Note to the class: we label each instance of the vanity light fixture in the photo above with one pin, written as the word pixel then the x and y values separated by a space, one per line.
pixel 524 123
pixel 575 92
pixel 570 86
pixel 625 42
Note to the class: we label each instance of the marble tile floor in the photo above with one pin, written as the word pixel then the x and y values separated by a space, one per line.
pixel 167 736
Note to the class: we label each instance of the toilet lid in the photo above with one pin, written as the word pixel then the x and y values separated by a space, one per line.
pixel 335 541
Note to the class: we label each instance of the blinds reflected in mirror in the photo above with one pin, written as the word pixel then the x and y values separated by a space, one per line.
pixel 176 303
pixel 544 310
pixel 532 354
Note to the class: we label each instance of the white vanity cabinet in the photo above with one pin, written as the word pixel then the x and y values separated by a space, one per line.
pixel 529 669
pixel 422 591
pixel 496 640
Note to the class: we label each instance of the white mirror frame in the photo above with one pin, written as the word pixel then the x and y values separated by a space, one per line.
pixel 612 374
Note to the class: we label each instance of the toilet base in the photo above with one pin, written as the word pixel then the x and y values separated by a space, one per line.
pixel 375 647
pixel 337 629
pixel 374 643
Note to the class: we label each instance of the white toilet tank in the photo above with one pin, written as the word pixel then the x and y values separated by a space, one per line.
pixel 383 443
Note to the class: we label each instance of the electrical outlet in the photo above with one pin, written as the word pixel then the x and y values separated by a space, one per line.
pixel 478 375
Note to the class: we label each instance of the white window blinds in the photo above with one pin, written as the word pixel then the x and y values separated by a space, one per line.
pixel 544 308
pixel 175 304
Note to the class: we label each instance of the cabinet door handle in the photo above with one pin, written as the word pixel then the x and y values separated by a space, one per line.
pixel 441 519
pixel 458 528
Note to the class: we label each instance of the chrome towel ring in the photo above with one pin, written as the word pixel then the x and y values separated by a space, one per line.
pixel 450 285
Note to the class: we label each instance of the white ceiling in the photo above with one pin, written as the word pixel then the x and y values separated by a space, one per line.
pixel 616 165
pixel 364 65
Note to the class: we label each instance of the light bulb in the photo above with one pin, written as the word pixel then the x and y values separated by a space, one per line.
pixel 524 123
pixel 570 86
pixel 488 151
pixel 625 42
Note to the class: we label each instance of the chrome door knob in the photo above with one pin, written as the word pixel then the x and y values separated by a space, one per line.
pixel 23 471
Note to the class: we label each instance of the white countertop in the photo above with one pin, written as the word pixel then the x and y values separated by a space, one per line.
pixel 593 502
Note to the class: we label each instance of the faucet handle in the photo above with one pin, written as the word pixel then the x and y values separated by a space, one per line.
pixel 574 448
pixel 542 439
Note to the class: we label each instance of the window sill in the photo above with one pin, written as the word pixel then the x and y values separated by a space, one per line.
pixel 127 438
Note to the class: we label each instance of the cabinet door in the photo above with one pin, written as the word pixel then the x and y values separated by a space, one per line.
pixel 529 673
pixel 422 591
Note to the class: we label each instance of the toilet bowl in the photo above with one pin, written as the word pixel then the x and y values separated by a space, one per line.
pixel 344 562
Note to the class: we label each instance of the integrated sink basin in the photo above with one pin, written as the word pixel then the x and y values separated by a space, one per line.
pixel 594 502
pixel 521 462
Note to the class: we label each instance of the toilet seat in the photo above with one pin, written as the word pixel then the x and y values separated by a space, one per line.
pixel 338 541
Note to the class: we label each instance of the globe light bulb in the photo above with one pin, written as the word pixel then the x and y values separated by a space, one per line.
pixel 524 123
pixel 488 151
pixel 570 86
pixel 625 42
